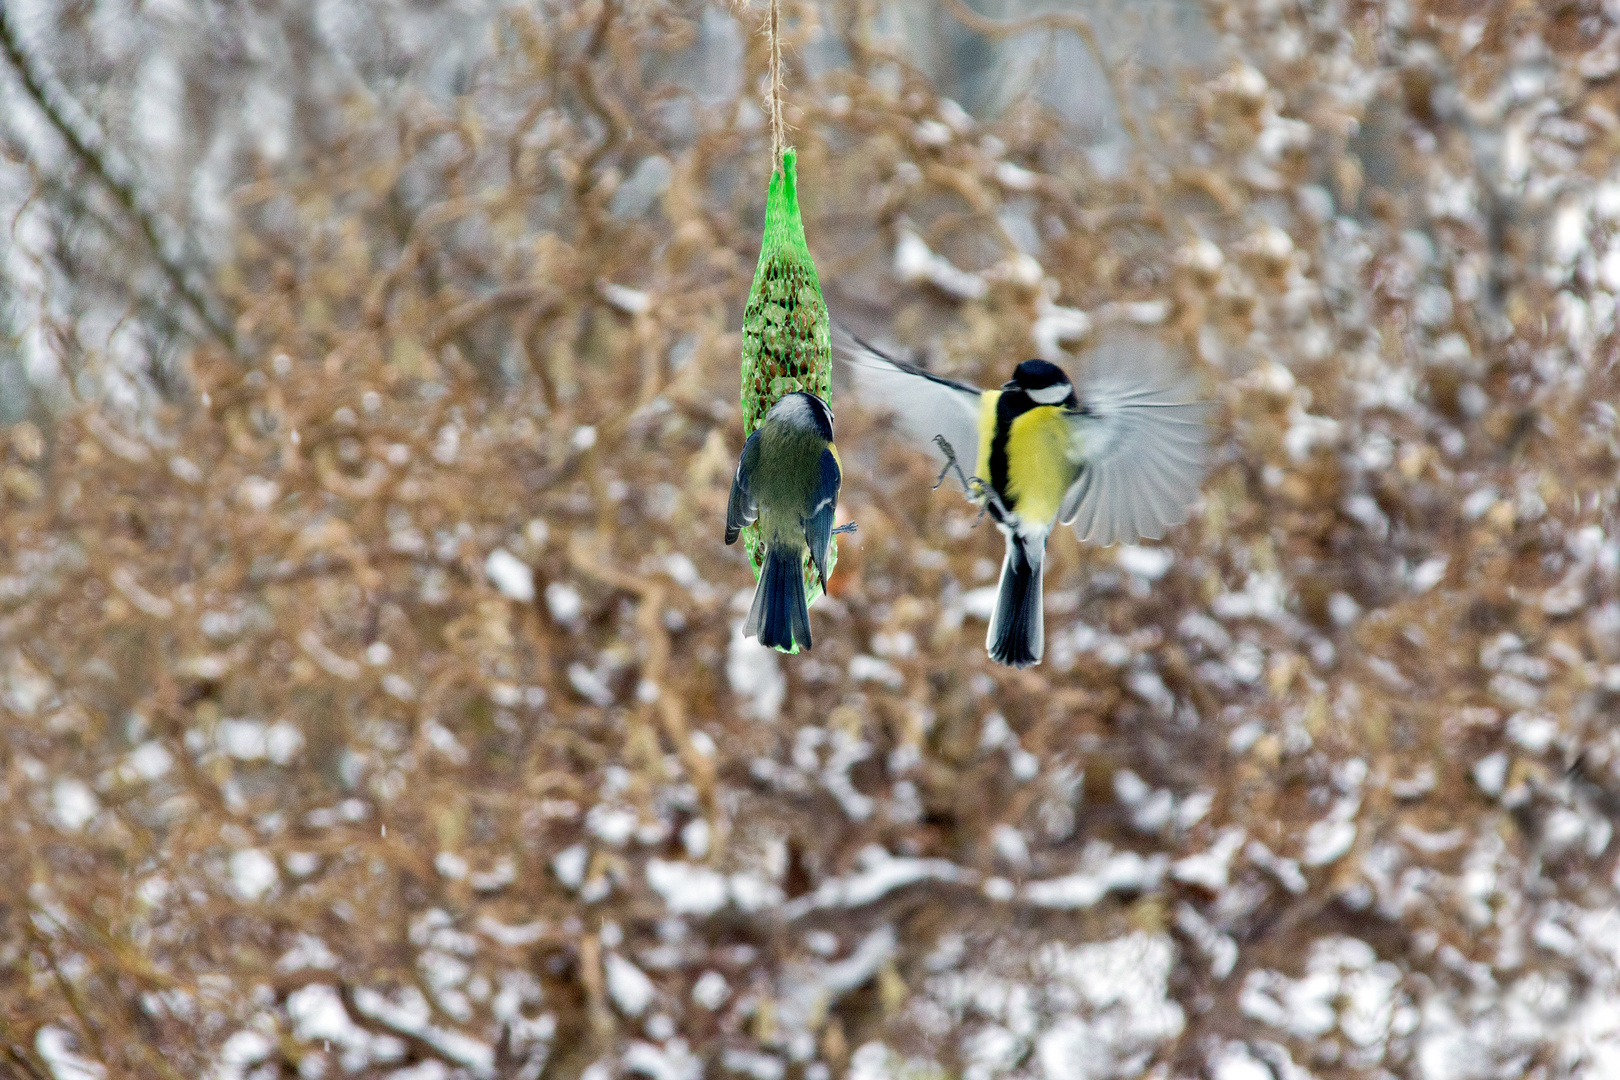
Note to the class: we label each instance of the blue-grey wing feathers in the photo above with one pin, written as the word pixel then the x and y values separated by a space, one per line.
pixel 742 509
pixel 818 526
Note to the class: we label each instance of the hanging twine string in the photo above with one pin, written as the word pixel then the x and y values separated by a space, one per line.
pixel 778 125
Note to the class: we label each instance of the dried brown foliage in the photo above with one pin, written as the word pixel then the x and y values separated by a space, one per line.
pixel 270 726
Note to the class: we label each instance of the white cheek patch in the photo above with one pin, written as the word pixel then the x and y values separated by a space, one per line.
pixel 1050 395
pixel 795 411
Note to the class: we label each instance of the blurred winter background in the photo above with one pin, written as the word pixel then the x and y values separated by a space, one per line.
pixel 373 697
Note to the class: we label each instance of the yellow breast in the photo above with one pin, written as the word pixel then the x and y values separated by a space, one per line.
pixel 1039 465
pixel 987 432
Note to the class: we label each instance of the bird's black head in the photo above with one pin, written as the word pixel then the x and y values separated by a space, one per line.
pixel 1045 383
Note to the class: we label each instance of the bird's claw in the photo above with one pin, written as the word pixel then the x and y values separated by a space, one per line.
pixel 951 464
pixel 976 489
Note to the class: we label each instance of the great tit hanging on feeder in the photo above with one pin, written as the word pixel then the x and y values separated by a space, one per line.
pixel 788 481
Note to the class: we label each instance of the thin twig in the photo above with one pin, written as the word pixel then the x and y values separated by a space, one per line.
pixel 20 1055
pixel 68 989
pixel 1050 20
pixel 66 195
pixel 468 312
pixel 84 139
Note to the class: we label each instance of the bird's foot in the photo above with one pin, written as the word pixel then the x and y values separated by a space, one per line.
pixel 976 489
pixel 989 501
pixel 951 464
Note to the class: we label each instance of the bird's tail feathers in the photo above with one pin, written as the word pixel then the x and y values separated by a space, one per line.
pixel 780 616
pixel 1017 631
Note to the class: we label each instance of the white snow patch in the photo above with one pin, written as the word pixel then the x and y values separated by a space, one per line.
pixel 755 674
pixel 687 889
pixel 881 874
pixel 809 988
pixel 1534 732
pixel 696 837
pixel 73 804
pixel 243 1050
pixel 1010 845
pixel 1221 949
pixel 590 684
pixel 318 1015
pixel 1233 1062
pixel 511 576
pixel 1429 573
pixel 1211 868
pixel 1103 871
pixel 1151 808
pixel 1345 986
pixel 253 873
pixel 1148 562
pixel 671 1061
pixel 750 892
pixel 762 1066
pixel 1306 432
pixel 149 761
pixel 613 824
pixel 562 600
pixel 1016 177
pixel 1055 325
pixel 1263 597
pixel 253 740
pixel 628 985
pixel 1327 841
pixel 1286 871
pixel 515 937
pixel 410 1012
pixel 53 1044
pixel 628 300
pixel 711 990
pixel 980 603
pixel 257 493
pixel 569 865
pixel 1490 772
pixel 307 952
pixel 1123 985
pixel 241 739
pixel 915 263
pixel 864 668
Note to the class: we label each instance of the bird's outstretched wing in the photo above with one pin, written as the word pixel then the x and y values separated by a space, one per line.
pixel 925 404
pixel 818 526
pixel 743 509
pixel 1142 437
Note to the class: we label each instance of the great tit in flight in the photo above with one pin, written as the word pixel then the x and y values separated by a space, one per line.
pixel 1120 458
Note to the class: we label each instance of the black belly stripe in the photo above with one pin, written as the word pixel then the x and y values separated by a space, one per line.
pixel 1009 406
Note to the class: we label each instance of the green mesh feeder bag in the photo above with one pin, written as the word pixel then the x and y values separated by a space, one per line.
pixel 787 341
